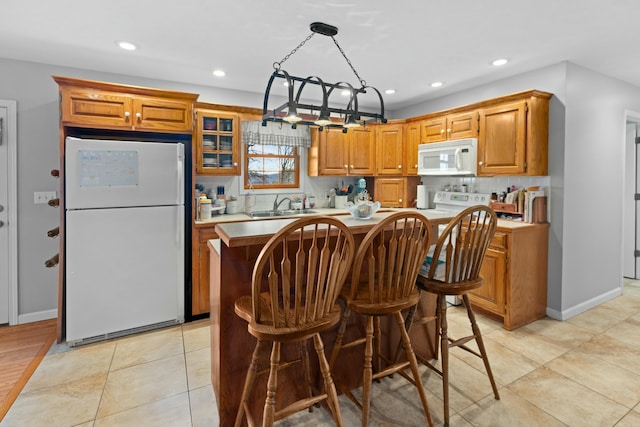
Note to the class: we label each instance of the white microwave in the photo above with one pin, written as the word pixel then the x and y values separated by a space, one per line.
pixel 449 158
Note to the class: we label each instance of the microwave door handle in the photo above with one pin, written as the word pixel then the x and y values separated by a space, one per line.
pixel 458 159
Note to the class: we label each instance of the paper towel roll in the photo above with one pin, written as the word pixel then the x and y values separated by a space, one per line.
pixel 422 201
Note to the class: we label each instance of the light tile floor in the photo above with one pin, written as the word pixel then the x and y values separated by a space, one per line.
pixel 581 372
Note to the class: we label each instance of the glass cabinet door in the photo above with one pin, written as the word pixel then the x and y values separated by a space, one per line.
pixel 218 143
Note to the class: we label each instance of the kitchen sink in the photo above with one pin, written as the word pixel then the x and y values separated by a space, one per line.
pixel 288 212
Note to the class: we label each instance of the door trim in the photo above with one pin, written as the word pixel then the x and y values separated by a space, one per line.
pixel 12 204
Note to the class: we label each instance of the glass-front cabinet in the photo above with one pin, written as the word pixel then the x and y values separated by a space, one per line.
pixel 218 143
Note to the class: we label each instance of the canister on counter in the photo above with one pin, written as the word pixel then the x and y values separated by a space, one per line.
pixel 205 208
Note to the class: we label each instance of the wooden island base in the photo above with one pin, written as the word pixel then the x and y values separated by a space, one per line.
pixel 231 265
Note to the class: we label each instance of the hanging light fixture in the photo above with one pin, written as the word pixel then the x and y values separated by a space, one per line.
pixel 295 112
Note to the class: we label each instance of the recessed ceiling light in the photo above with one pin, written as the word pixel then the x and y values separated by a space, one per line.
pixel 127 45
pixel 499 62
pixel 436 84
pixel 219 73
pixel 390 91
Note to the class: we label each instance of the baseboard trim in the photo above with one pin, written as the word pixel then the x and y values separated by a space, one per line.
pixel 37 316
pixel 584 306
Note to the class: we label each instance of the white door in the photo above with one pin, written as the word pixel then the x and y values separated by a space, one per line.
pixel 8 222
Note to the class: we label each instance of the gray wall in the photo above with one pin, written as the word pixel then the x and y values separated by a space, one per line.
pixel 586 168
pixel 36 93
pixel 586 115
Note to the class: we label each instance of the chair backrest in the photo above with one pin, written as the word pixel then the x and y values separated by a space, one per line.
pixel 462 245
pixel 304 266
pixel 389 258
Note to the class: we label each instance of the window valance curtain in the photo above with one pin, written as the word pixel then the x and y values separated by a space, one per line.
pixel 275 134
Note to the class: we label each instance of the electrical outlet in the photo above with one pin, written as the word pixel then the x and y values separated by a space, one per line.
pixel 40 197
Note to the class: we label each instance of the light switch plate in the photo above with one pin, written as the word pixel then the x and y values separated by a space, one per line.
pixel 40 197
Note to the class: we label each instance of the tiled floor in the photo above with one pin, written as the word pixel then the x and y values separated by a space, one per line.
pixel 582 372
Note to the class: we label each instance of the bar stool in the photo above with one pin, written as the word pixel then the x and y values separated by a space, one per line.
pixel 303 268
pixel 383 284
pixel 455 270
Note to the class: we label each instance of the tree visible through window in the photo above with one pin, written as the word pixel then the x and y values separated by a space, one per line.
pixel 271 166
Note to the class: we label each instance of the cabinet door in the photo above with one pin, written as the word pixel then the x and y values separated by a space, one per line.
pixel 333 152
pixel 159 114
pixel 411 142
pixel 463 125
pixel 217 143
pixel 200 273
pixel 433 130
pixel 502 144
pixel 86 107
pixel 362 152
pixel 491 295
pixel 390 150
pixel 390 192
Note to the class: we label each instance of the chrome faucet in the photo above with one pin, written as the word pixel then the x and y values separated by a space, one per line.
pixel 277 204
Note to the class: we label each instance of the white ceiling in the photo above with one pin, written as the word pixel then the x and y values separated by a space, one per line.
pixel 404 45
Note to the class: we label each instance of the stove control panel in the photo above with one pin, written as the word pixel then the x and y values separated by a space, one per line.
pixel 444 199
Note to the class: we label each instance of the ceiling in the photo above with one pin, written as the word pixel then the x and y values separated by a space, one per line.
pixel 400 45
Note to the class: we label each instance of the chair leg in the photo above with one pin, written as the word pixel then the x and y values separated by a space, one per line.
pixel 329 386
pixel 478 336
pixel 304 357
pixel 338 343
pixel 444 349
pixel 378 346
pixel 248 384
pixel 413 363
pixel 367 373
pixel 268 417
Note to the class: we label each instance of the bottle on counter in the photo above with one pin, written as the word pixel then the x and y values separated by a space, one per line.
pixel 205 208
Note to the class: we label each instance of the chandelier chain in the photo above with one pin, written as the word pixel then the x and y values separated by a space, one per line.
pixel 276 65
pixel 360 79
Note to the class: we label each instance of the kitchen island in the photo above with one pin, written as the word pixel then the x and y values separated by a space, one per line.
pixel 231 264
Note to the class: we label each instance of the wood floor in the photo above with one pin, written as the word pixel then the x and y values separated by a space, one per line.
pixel 22 348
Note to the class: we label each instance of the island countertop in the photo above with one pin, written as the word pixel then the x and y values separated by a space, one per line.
pixel 235 234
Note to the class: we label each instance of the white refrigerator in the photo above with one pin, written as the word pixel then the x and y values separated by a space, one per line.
pixel 124 237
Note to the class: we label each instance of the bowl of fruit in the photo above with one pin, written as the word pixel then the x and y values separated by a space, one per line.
pixel 362 209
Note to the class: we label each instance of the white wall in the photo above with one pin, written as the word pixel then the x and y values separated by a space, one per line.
pixel 587 114
pixel 587 169
pixel 549 79
pixel 594 178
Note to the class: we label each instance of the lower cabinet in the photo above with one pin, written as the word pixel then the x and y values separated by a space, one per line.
pixel 200 270
pixel 515 275
pixel 397 192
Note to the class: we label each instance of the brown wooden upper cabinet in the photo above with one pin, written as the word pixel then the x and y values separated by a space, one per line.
pixel 92 104
pixel 513 137
pixel 451 126
pixel 411 141
pixel 390 149
pixel 217 143
pixel 333 152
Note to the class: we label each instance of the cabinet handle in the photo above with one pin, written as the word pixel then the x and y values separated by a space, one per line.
pixel 351 166
pixel 346 166
pixel 55 173
pixel 399 166
pixel 127 114
pixel 139 117
pixel 235 163
pixel 448 130
pixel 480 163
pixel 54 202
pixel 415 166
pixel 400 200
pixel 441 130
